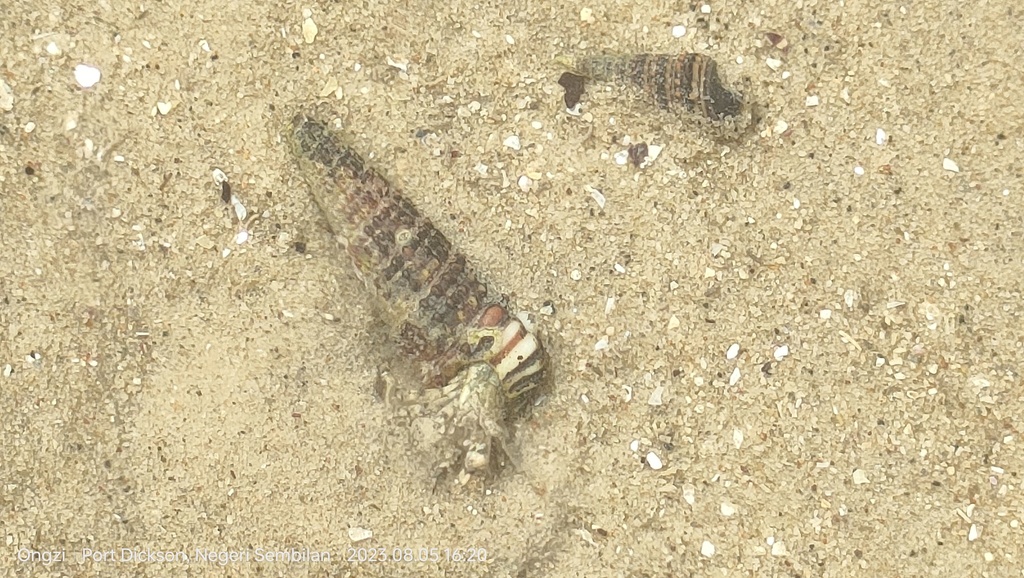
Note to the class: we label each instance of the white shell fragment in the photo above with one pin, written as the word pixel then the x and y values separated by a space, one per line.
pixel 652 153
pixel 656 396
pixel 707 549
pixel 735 377
pixel 399 64
pixel 949 165
pixel 678 31
pixel 512 142
pixel 597 195
pixel 860 478
pixel 881 137
pixel 773 63
pixel 6 96
pixel 737 438
pixel 87 76
pixel 813 100
pixel 781 352
pixel 358 534
pixel 525 183
pixel 309 30
pixel 974 533
pixel 654 461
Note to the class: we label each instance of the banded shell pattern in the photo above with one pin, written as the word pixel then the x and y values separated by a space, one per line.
pixel 689 80
pixel 446 318
pixel 471 354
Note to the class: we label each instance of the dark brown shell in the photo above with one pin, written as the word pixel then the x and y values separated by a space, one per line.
pixel 432 293
pixel 688 80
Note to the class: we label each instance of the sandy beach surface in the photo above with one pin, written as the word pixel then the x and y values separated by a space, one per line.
pixel 795 350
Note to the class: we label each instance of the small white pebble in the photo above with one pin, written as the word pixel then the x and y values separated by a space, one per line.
pixel 812 100
pixel 678 31
pixel 734 378
pixel 786 74
pixel 241 237
pixel 654 461
pixel 858 170
pixel 781 352
pixel 52 49
pixel 358 534
pixel 705 9
pixel 825 314
pixel 673 322
pixel 621 158
pixel 974 533
pixel 586 15
pixel 773 63
pixel 512 142
pixel 509 39
pixel 609 305
pixel 634 445
pixel 707 549
pixel 949 165
pixel 619 269
pixel 733 351
pixel 860 478
pixel 737 438
pixel 6 96
pixel 164 107
pixel 657 396
pixel 309 30
pixel 880 137
pixel 525 183
pixel 87 76
pixel 537 125
pixel 727 509
pixel 575 275
pixel 796 203
pixel 781 126
pixel 779 548
pixel 601 344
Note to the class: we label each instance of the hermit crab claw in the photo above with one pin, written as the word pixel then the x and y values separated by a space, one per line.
pixel 477 415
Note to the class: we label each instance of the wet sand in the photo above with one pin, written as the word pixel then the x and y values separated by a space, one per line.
pixel 815 327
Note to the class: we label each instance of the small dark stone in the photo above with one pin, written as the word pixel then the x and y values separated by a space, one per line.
pixel 637 153
pixel 573 85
